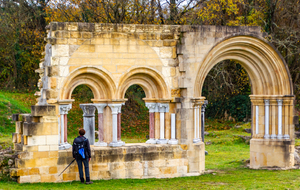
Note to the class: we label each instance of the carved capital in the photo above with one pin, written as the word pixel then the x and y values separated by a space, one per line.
pixel 100 107
pixel 162 107
pixel 152 107
pixel 267 102
pixel 279 101
pixel 65 108
pixel 88 110
pixel 115 108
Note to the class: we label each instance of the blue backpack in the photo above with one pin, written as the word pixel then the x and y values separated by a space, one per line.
pixel 81 149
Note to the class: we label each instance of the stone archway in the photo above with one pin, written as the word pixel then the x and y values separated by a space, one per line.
pixel 272 143
pixel 151 81
pixel 157 100
pixel 98 81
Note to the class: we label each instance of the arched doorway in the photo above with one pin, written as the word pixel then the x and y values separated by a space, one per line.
pixel 272 143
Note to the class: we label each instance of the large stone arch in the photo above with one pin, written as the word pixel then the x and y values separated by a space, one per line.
pixel 272 97
pixel 151 81
pixel 101 84
pixel 267 70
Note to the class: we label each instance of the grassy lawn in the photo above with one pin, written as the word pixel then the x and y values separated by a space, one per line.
pixel 11 103
pixel 227 155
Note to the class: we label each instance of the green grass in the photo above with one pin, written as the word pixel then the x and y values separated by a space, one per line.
pixel 227 155
pixel 11 103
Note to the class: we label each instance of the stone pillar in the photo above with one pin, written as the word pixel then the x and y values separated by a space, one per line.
pixel 258 116
pixel 100 108
pixel 273 105
pixel 89 121
pixel 267 103
pixel 196 123
pixel 152 107
pixel 64 109
pixel 167 126
pixel 203 119
pixel 163 107
pixel 115 110
pixel 288 115
pixel 173 139
pixel 156 124
pixel 119 127
pixel 279 136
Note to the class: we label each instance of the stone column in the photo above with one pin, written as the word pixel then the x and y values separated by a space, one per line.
pixel 196 123
pixel 64 109
pixel 115 110
pixel 173 139
pixel 203 119
pixel 89 121
pixel 279 136
pixel 152 108
pixel 100 108
pixel 163 107
pixel 267 103
pixel 287 116
pixel 119 127
pixel 273 105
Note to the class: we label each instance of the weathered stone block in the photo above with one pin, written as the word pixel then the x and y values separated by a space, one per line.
pixel 34 171
pixel 49 178
pixel 104 175
pixel 60 50
pixel 24 179
pixel 15 117
pixel 14 137
pixel 53 170
pixel 48 128
pixel 69 177
pixel 43 110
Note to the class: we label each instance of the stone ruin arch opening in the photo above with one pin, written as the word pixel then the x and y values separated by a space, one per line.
pixel 81 94
pixel 224 79
pixel 135 110
pixel 272 95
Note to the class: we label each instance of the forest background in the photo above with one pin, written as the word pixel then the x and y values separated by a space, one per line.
pixel 227 86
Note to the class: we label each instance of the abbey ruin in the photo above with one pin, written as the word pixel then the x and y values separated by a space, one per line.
pixel 170 63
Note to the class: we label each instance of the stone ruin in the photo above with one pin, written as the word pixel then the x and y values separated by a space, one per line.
pixel 170 63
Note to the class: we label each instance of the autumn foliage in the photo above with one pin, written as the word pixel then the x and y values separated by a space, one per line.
pixel 22 32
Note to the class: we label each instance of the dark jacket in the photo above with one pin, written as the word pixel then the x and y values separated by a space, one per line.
pixel 86 144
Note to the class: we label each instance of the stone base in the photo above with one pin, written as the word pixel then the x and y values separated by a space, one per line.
pixel 114 144
pixel 173 141
pixel 100 144
pixel 121 143
pixel 64 146
pixel 138 160
pixel 196 140
pixel 162 141
pixel 271 153
pixel 151 141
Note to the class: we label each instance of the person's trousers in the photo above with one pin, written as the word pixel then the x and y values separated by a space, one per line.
pixel 86 167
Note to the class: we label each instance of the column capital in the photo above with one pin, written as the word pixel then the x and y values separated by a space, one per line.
pixel 100 107
pixel 204 106
pixel 64 108
pixel 279 101
pixel 115 108
pixel 152 107
pixel 267 102
pixel 88 110
pixel 163 107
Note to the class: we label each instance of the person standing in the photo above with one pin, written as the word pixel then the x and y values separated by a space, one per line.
pixel 82 154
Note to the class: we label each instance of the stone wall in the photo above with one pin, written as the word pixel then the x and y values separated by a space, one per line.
pixel 131 161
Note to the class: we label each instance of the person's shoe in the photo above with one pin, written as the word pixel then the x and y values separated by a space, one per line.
pixel 82 180
pixel 88 181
